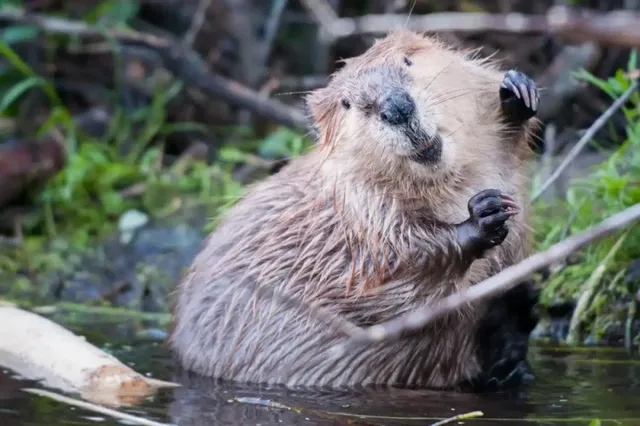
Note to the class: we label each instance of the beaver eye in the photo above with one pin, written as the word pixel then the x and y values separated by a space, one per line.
pixel 345 103
pixel 408 62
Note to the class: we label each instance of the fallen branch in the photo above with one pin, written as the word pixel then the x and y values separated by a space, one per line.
pixel 588 135
pixel 196 22
pixel 129 418
pixel 506 279
pixel 619 27
pixel 459 418
pixel 39 349
pixel 178 58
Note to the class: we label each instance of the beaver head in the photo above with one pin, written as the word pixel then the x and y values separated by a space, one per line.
pixel 409 104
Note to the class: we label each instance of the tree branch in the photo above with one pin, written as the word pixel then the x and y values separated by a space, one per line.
pixel 196 22
pixel 618 27
pixel 179 59
pixel 496 284
pixel 588 135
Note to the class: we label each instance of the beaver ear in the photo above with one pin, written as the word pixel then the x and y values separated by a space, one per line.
pixel 321 108
pixel 317 103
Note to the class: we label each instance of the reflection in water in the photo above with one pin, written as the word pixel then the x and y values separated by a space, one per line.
pixel 572 388
pixel 201 402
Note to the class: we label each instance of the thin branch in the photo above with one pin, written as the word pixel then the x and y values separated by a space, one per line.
pixel 94 408
pixel 303 82
pixel 56 25
pixel 271 28
pixel 322 13
pixel 588 135
pixel 498 283
pixel 183 62
pixel 617 27
pixel 459 418
pixel 196 22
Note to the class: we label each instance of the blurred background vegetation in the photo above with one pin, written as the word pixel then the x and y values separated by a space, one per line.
pixel 128 126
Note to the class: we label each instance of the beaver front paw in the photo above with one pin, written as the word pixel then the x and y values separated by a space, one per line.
pixel 488 213
pixel 519 97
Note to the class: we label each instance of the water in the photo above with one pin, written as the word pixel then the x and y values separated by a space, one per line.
pixel 572 388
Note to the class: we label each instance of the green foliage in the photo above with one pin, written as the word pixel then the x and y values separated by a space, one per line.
pixel 112 14
pixel 86 198
pixel 612 186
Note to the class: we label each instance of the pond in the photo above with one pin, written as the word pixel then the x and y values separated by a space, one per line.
pixel 573 387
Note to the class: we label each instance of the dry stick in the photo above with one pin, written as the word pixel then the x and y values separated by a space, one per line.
pixel 588 135
pixel 498 283
pixel 94 407
pixel 271 28
pixel 579 25
pixel 196 22
pixel 459 417
pixel 184 63
pixel 322 12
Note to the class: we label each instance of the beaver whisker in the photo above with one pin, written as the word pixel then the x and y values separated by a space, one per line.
pixel 470 92
pixel 437 74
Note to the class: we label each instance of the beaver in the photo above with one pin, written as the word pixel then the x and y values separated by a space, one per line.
pixel 414 190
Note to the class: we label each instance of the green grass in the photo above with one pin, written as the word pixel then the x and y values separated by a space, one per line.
pixel 83 202
pixel 610 187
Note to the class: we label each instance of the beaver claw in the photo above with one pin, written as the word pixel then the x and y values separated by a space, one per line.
pixel 519 96
pixel 488 212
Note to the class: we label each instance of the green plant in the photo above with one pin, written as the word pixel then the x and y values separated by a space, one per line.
pixel 86 198
pixel 609 188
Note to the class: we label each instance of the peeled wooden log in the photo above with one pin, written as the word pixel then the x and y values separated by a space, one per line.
pixel 37 348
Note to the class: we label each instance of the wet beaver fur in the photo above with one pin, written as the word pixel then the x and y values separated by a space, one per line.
pixel 414 191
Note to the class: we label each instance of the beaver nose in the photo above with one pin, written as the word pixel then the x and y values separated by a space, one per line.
pixel 397 107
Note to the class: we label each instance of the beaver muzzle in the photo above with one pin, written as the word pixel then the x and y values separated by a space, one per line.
pixel 397 108
pixel 428 149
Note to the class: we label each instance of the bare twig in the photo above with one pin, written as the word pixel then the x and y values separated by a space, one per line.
pixel 196 22
pixel 56 25
pixel 459 417
pixel 322 13
pixel 617 27
pixel 185 64
pixel 588 135
pixel 498 283
pixel 271 29
pixel 303 82
pixel 94 408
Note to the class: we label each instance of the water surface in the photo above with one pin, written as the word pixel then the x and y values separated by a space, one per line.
pixel 572 388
